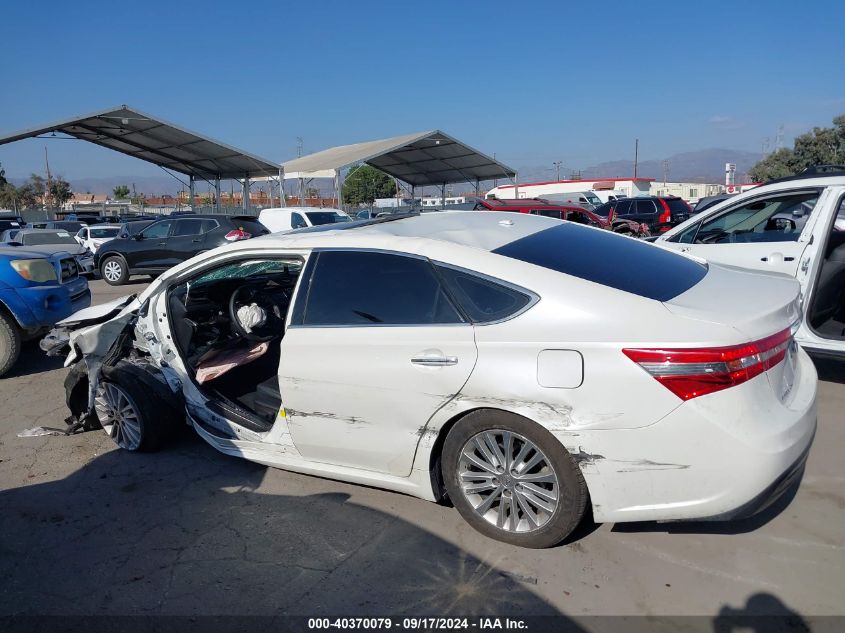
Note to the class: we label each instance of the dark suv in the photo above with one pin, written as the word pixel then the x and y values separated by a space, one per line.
pixel 660 213
pixel 170 241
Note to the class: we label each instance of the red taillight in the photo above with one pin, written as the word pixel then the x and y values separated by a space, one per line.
pixel 237 234
pixel 666 216
pixel 693 372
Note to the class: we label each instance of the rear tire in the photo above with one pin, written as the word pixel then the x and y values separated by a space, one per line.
pixel 114 270
pixel 10 343
pixel 535 499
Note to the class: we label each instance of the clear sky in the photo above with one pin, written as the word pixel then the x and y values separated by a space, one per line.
pixel 532 81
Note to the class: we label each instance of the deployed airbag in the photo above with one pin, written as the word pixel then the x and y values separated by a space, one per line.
pixel 216 364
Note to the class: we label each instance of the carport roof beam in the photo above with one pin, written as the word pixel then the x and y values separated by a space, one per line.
pixel 134 133
pixel 424 158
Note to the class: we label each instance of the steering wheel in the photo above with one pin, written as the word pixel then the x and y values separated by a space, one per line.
pixel 715 237
pixel 246 295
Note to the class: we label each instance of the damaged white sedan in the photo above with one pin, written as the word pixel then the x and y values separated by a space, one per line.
pixel 521 367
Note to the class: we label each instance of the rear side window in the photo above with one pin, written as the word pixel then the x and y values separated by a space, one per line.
pixel 612 260
pixel 644 207
pixel 623 207
pixel 368 288
pixel 482 299
pixel 188 227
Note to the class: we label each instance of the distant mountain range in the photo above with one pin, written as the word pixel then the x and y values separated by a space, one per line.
pixel 706 165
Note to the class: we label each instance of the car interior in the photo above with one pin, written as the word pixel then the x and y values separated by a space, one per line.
pixel 827 312
pixel 777 219
pixel 228 324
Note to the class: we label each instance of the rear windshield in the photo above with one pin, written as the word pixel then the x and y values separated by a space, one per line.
pixel 677 205
pixel 603 210
pixel 253 227
pixel 48 237
pixel 612 260
pixel 319 218
pixel 99 232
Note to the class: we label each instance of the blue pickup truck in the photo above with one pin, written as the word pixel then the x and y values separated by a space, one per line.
pixel 36 291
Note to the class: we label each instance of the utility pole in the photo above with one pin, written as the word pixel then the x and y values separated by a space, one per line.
pixel 49 178
pixel 636 154
pixel 557 165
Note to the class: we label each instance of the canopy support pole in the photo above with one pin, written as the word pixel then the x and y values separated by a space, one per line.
pixel 477 187
pixel 443 195
pixel 337 189
pixel 217 194
pixel 516 185
pixel 282 202
pixel 191 191
pixel 245 196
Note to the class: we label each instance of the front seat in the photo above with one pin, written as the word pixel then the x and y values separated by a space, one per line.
pixel 830 288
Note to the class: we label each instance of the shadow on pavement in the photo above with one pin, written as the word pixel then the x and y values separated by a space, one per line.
pixel 185 531
pixel 33 361
pixel 762 613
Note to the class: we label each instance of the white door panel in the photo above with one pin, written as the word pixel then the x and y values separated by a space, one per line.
pixel 778 257
pixel 361 396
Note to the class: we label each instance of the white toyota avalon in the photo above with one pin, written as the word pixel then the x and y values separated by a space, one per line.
pixel 526 369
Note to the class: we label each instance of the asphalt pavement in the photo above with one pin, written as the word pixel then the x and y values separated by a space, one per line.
pixel 90 530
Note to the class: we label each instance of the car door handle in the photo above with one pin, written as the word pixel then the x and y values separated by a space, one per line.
pixel 196 241
pixel 434 361
pixel 162 243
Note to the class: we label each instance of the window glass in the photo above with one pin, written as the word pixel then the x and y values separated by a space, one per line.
pixel 775 219
pixel 192 226
pixel 363 288
pixel 626 264
pixel 208 225
pixel 604 210
pixel 46 237
pixel 839 222
pixel 547 213
pixel 482 299
pixel 297 221
pixel 318 218
pixel 644 207
pixel 103 232
pixel 157 230
pixel 579 217
pixel 82 233
pixel 623 207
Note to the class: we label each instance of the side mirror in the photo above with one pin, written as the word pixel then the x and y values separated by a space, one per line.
pixel 138 236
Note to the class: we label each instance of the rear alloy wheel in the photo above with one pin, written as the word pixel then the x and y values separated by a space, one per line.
pixel 512 480
pixel 113 270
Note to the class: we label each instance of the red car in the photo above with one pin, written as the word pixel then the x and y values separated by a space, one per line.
pixel 572 213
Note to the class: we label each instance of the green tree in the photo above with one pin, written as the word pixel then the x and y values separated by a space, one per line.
pixel 821 146
pixel 60 191
pixel 120 192
pixel 364 184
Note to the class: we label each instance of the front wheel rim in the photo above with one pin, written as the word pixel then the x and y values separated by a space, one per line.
pixel 112 271
pixel 118 415
pixel 508 481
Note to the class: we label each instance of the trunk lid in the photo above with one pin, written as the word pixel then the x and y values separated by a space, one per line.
pixel 756 304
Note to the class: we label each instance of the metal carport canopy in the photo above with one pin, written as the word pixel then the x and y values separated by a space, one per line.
pixel 424 158
pixel 130 131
